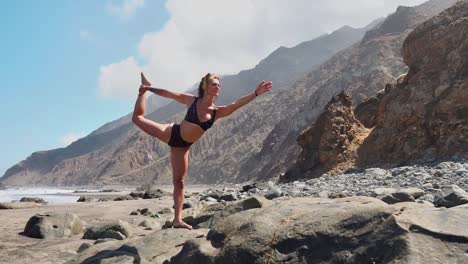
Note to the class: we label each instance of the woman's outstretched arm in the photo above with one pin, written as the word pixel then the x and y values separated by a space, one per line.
pixel 224 111
pixel 182 98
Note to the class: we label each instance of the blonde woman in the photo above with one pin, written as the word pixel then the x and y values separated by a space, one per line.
pixel 201 115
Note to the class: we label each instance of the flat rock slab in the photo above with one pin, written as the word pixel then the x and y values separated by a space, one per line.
pixel 153 248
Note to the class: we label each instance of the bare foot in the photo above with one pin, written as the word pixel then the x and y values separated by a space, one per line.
pixel 144 81
pixel 181 224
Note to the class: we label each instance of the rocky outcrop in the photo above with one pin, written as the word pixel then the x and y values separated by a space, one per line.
pixel 425 118
pixel 303 230
pixel 330 144
pixel 348 230
pixel 53 225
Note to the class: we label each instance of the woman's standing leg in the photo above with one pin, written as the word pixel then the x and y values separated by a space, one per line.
pixel 179 162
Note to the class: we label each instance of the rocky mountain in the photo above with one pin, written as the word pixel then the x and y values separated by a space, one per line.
pixel 360 70
pixel 422 117
pixel 119 153
pixel 425 116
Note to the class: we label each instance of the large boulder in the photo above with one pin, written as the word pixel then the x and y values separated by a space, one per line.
pixel 53 225
pixel 345 230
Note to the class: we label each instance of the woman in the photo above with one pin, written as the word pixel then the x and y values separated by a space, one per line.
pixel 201 115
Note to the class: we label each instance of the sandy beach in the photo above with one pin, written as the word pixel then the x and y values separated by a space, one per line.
pixel 17 248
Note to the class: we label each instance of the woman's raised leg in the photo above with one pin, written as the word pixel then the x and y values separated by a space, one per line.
pixel 179 162
pixel 159 131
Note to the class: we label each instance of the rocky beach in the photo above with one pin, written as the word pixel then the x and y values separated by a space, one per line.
pixel 335 213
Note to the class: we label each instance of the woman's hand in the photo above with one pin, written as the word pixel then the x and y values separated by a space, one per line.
pixel 263 87
pixel 143 89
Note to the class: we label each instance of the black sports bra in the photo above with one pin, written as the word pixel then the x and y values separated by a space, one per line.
pixel 192 116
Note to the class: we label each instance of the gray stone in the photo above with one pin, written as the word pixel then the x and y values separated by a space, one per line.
pixel 124 198
pixel 117 230
pixel 53 225
pixel 166 210
pixel 415 192
pixel 229 197
pixel 137 195
pixel 84 199
pixel 377 192
pixel 454 196
pixel 152 224
pixel 256 202
pixel 155 193
pixel 376 172
pixel 273 192
pixel 210 199
pixel 33 200
pixel 83 247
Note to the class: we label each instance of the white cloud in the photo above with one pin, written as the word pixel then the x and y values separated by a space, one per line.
pixel 71 137
pixel 225 36
pixel 85 35
pixel 121 79
pixel 125 9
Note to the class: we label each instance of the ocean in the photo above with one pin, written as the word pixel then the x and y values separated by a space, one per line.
pixel 50 195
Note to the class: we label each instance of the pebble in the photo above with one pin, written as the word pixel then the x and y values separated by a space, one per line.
pixel 422 183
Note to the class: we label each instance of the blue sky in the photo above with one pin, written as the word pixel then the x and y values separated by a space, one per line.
pixel 51 52
pixel 70 66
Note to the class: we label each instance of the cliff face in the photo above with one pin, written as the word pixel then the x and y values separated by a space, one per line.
pixel 422 116
pixel 360 70
pixel 426 116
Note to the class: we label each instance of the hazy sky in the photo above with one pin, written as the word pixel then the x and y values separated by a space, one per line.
pixel 70 66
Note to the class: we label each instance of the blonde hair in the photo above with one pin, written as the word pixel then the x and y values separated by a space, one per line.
pixel 204 83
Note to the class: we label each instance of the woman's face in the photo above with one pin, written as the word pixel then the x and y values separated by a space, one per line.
pixel 213 87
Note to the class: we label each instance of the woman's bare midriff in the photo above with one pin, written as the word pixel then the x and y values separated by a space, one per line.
pixel 190 132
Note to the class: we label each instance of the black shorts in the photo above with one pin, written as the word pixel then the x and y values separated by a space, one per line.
pixel 176 139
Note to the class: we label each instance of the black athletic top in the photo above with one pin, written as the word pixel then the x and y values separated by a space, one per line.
pixel 192 116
